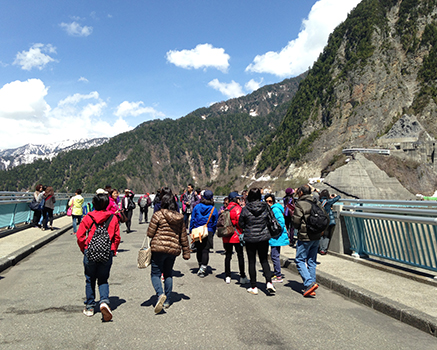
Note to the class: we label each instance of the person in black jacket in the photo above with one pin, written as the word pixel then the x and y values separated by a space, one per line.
pixel 253 221
pixel 128 206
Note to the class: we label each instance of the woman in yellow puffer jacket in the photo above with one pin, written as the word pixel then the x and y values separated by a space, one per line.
pixel 76 202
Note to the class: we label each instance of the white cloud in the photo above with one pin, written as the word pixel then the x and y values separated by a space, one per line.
pixel 23 100
pixel 299 54
pixel 76 98
pixel 135 109
pixel 253 85
pixel 24 111
pixel 202 56
pixel 230 90
pixel 75 29
pixel 85 80
pixel 35 57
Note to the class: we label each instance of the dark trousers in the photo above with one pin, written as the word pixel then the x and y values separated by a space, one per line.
pixel 262 248
pixel 229 249
pixel 36 217
pixel 47 217
pixel 202 252
pixel 187 219
pixel 129 219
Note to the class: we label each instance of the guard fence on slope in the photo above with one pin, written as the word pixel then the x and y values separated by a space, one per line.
pixel 15 210
pixel 400 231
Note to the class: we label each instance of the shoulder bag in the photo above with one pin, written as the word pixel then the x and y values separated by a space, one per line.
pixel 198 233
pixel 144 254
pixel 273 225
pixel 70 209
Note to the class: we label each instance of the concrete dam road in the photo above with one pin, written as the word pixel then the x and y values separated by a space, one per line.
pixel 41 303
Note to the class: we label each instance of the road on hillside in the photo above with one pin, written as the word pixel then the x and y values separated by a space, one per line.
pixel 41 303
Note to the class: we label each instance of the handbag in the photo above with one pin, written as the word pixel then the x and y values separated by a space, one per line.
pixel 198 233
pixel 273 225
pixel 122 216
pixel 144 254
pixel 70 209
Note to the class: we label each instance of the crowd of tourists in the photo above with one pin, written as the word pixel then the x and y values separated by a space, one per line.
pixel 256 222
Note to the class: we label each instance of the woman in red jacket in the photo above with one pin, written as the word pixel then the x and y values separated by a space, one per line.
pixel 234 240
pixel 98 271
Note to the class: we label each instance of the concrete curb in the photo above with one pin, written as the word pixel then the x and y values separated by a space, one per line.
pixel 377 302
pixel 21 253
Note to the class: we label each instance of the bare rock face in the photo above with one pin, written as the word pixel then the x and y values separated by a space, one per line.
pixel 406 126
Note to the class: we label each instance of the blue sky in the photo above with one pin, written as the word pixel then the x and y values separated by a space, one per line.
pixel 82 69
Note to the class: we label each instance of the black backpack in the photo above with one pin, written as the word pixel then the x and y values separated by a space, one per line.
pixel 99 247
pixel 318 220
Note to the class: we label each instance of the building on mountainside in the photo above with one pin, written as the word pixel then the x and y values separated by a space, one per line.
pixel 408 139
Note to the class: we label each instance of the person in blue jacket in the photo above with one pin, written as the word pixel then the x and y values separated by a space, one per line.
pixel 199 217
pixel 327 202
pixel 277 242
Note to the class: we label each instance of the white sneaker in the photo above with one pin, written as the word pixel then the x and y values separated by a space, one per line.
pixel 88 312
pixel 160 304
pixel 253 290
pixel 228 280
pixel 106 312
pixel 244 280
pixel 270 287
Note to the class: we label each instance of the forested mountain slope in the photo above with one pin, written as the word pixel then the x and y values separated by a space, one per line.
pixel 206 147
pixel 378 65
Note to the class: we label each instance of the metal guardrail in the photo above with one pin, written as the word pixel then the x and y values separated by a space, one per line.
pixel 403 234
pixel 389 203
pixel 15 210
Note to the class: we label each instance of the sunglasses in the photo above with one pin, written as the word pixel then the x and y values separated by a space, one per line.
pixel 269 201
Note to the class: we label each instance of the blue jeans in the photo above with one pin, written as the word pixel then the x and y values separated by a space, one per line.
pixel 162 263
pixel 96 271
pixel 306 261
pixel 76 221
pixel 275 254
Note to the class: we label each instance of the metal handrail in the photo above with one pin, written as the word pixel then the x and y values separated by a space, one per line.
pixel 402 218
pixel 409 211
pixel 401 203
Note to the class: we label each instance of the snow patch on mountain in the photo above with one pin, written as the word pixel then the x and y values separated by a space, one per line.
pixel 27 154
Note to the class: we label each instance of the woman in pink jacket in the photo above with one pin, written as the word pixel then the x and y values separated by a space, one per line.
pixel 234 241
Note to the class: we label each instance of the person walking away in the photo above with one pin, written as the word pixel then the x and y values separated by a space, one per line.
pixel 76 202
pixel 229 243
pixel 277 242
pixel 307 244
pixel 288 214
pixel 187 198
pixel 128 205
pixel 49 206
pixel 327 203
pixel 144 203
pixel 38 196
pixel 203 212
pixel 168 238
pixel 98 271
pixel 253 221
